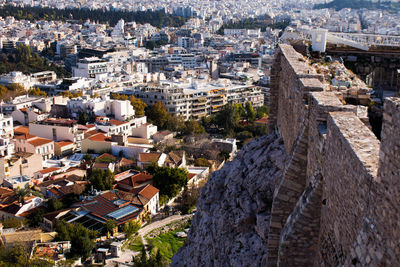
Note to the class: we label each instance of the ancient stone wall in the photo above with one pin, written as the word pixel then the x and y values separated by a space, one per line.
pixel 319 190
pixel 338 201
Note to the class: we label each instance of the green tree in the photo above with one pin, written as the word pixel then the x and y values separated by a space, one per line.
pixel 240 111
pixel 101 180
pixel 157 114
pixel 138 105
pixel 227 118
pixel 202 162
pixel 11 223
pixel 251 115
pixel 262 111
pixel 81 238
pixel 54 204
pixel 131 227
pixel 36 218
pixel 37 92
pixel 169 180
pixel 21 194
pixel 110 225
pixel 174 123
pixel 83 118
pixel 193 127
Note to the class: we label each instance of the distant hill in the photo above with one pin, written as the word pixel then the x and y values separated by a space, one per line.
pixel 357 4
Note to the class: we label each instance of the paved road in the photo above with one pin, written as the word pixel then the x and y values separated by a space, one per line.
pixel 158 224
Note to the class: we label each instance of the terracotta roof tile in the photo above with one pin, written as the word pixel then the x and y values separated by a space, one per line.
pixel 51 169
pixel 263 120
pixel 149 157
pixel 117 122
pixel 149 191
pixel 64 143
pixel 21 130
pixel 106 155
pixel 99 138
pixel 136 180
pixel 39 141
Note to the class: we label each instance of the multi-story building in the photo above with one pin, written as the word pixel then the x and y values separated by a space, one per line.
pixel 197 100
pixel 110 127
pixel 6 126
pixel 92 67
pixel 57 130
pixel 17 77
pixel 119 109
pixel 37 145
pixel 27 115
pixel 25 101
pixel 6 147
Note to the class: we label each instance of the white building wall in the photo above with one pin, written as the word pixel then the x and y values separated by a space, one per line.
pixel 46 131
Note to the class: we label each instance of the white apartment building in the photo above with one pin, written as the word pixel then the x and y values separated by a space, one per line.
pixel 92 67
pixel 254 33
pixel 6 147
pixel 57 130
pixel 188 61
pixel 35 145
pixel 17 77
pixel 119 109
pixel 197 100
pixel 6 126
pixel 111 126
pixel 27 115
pixel 19 102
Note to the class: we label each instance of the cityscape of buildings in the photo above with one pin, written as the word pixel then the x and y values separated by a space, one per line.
pixel 117 106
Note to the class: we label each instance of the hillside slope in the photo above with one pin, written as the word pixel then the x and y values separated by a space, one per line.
pixel 231 224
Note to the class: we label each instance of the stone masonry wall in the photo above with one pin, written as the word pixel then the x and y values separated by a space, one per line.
pixel 338 200
pixel 319 190
pixel 350 163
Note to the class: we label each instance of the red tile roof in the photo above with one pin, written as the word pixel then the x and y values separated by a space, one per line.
pixel 102 205
pixel 64 143
pixel 21 130
pixel 99 138
pixel 149 191
pixel 149 157
pixel 136 180
pixel 191 175
pixel 106 155
pixel 39 141
pixel 117 122
pixel 126 162
pixel 25 136
pixel 263 120
pixel 66 122
pixel 51 169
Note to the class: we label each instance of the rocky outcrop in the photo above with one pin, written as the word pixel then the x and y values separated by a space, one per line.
pixel 231 224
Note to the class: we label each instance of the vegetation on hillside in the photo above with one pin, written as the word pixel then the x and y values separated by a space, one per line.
pixel 19 256
pixel 23 60
pixel 168 180
pixel 237 121
pixel 101 179
pixel 82 239
pixel 357 4
pixel 156 18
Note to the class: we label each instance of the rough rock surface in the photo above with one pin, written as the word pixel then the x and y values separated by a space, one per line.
pixel 231 224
